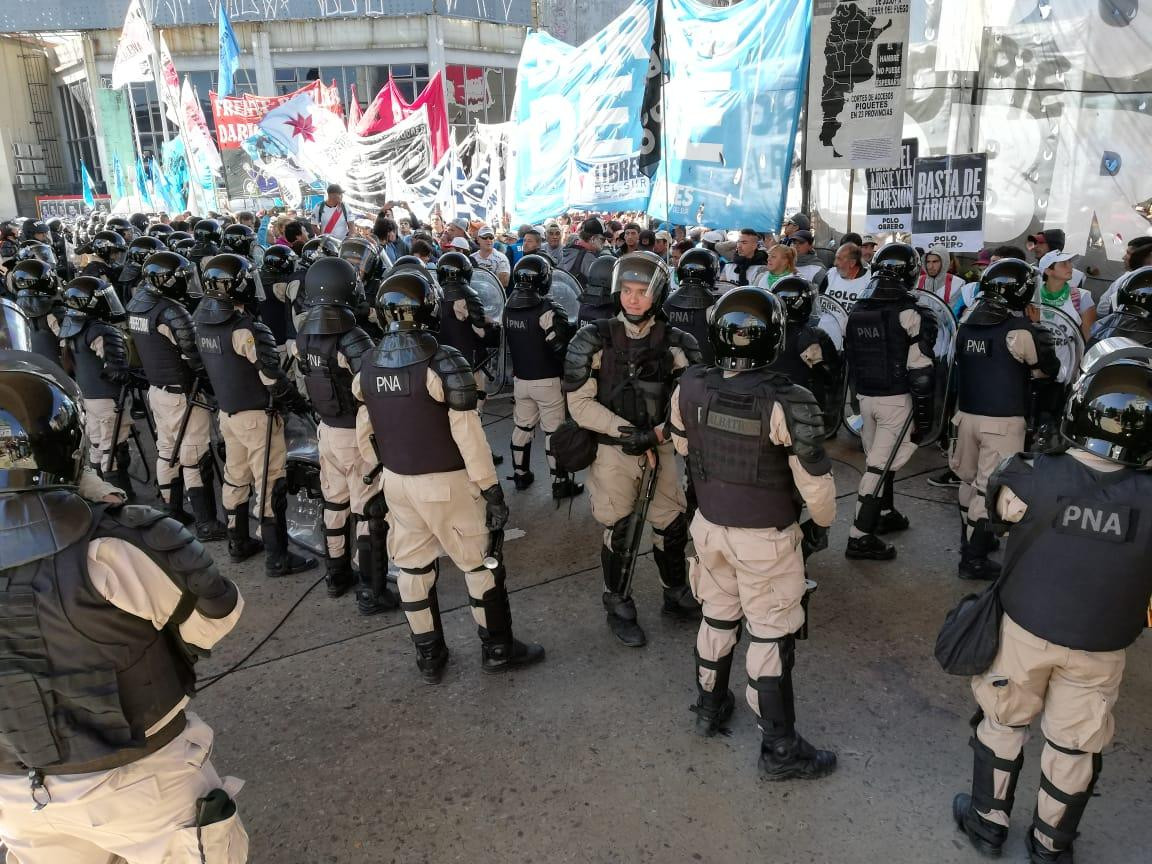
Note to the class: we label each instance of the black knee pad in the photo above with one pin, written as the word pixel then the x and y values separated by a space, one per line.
pixel 619 539
pixel 675 534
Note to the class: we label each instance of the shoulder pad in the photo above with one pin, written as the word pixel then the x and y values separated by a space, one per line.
pixel 39 524
pixel 459 383
pixel 805 420
pixel 522 300
pixel 142 301
pixel 691 295
pixel 327 320
pixel 135 515
pixel 987 313
pixel 687 343
pixel 397 350
pixel 214 311
pixel 558 311
pixel 578 361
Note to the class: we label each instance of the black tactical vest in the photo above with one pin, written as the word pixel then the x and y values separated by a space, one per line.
pixel 164 365
pixel 876 345
pixel 532 358
pixel 596 310
pixel 413 435
pixel 329 384
pixel 742 479
pixel 81 681
pixel 274 312
pixel 797 339
pixel 89 364
pixel 693 322
pixel 989 380
pixel 234 378
pixel 635 377
pixel 459 334
pixel 44 341
pixel 101 270
pixel 1076 569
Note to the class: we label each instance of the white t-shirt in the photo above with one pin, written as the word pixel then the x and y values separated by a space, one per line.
pixel 847 291
pixel 1079 300
pixel 324 216
pixel 496 262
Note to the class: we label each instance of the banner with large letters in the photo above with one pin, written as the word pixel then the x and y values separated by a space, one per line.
pixel 948 202
pixel 890 192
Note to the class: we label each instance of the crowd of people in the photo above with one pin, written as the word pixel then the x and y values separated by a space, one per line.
pixel 696 387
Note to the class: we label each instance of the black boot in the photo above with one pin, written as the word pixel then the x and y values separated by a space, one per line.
pixel 891 520
pixel 1065 832
pixel 338 575
pixel 1040 854
pixel 974 560
pixel 869 547
pixel 500 651
pixel 120 474
pixel 208 527
pixel 522 476
pixel 621 610
pixel 241 544
pixel 431 655
pixel 673 567
pixel 713 708
pixel 523 480
pixel 374 594
pixel 281 560
pixel 784 755
pixel 174 506
pixel 565 486
pixel 986 837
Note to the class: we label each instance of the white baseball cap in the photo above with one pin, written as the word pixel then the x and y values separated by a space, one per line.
pixel 461 244
pixel 1054 257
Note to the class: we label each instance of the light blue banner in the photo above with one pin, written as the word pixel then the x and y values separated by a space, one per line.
pixel 732 102
pixel 580 133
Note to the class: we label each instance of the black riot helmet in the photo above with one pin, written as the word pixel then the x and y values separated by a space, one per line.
pixel 362 255
pixel 239 239
pixel 317 248
pixel 1008 282
pixel 56 226
pixel 412 262
pixel 1109 412
pixel 35 285
pixel 746 329
pixel 169 275
pixel 140 222
pixel 109 247
pixel 160 230
pixel 15 329
pixel 142 248
pixel 646 269
pixel 698 265
pixel 895 271
pixel 122 227
pixel 599 278
pixel 280 260
pixel 184 246
pixel 177 237
pixel 34 250
pixel 407 301
pixel 207 231
pixel 1134 296
pixel 229 277
pixel 532 273
pixel 42 443
pixel 454 268
pixel 798 296
pixel 89 297
pixel 330 282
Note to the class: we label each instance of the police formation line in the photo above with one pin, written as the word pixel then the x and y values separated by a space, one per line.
pixel 109 605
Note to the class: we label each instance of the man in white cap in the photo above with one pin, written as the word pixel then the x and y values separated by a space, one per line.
pixel 663 243
pixel 331 215
pixel 489 258
pixel 867 249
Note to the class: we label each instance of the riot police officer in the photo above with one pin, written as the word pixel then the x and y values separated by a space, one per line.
pixel 208 234
pixel 809 357
pixel 618 376
pixel 110 606
pixel 239 240
pixel 687 308
pixel 239 355
pixel 437 476
pixel 369 263
pixel 37 290
pixel 754 442
pixel 537 332
pixel 97 353
pixel 121 226
pixel 1132 317
pixel 1074 593
pixel 165 339
pixel 139 250
pixel 463 325
pixel 108 249
pixel 889 345
pixel 62 247
pixel 998 353
pixel 178 237
pixel 330 347
pixel 161 232
pixel 596 297
pixel 276 274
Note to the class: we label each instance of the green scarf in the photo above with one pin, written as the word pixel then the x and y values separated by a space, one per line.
pixel 1058 299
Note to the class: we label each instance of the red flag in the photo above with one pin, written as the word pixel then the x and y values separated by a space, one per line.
pixel 389 108
pixel 354 112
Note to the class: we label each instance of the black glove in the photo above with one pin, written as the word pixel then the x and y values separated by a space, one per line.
pixel 637 442
pixel 495 510
pixel 206 385
pixel 293 402
pixel 815 538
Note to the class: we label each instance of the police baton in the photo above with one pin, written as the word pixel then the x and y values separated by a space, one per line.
pixel 270 413
pixel 117 425
pixel 651 462
pixel 190 403
pixel 895 449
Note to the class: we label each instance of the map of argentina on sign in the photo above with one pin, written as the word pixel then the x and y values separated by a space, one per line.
pixel 856 83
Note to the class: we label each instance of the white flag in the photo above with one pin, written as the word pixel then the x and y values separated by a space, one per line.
pixel 201 147
pixel 168 83
pixel 134 52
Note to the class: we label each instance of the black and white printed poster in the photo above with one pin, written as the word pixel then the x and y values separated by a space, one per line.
pixel 890 193
pixel 948 202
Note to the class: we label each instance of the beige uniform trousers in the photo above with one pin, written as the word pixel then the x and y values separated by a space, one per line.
pixel 99 423
pixel 168 411
pixel 614 483
pixel 536 403
pixel 143 812
pixel 342 471
pixel 244 435
pixel 755 574
pixel 982 443
pixel 883 418
pixel 1074 690
pixel 430 515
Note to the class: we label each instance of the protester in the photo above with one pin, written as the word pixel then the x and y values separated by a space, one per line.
pixel 491 259
pixel 781 263
pixel 331 216
pixel 1057 291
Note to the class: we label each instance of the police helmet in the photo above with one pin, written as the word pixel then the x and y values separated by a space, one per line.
pixel 229 277
pixel 641 268
pixel 34 227
pixel 122 227
pixel 175 237
pixel 1109 412
pixel 34 250
pixel 140 249
pixel 895 271
pixel 207 231
pixel 746 329
pixel 279 259
pixel 15 329
pixel 1008 282
pixel 110 247
pixel 184 246
pixel 317 248
pixel 362 255
pixel 42 444
pixel 89 297
pixel 411 262
pixel 454 268
pixel 330 282
pixel 532 273
pixel 161 230
pixel 239 239
pixel 599 277
pixel 35 285
pixel 139 221
pixel 169 274
pixel 698 265
pixel 798 296
pixel 408 301
pixel 56 226
pixel 1134 295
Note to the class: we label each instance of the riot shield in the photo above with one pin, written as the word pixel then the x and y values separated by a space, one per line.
pixel 15 329
pixel 1067 339
pixel 305 503
pixel 832 318
pixel 945 352
pixel 491 294
pixel 494 364
pixel 566 292
pixel 1114 348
